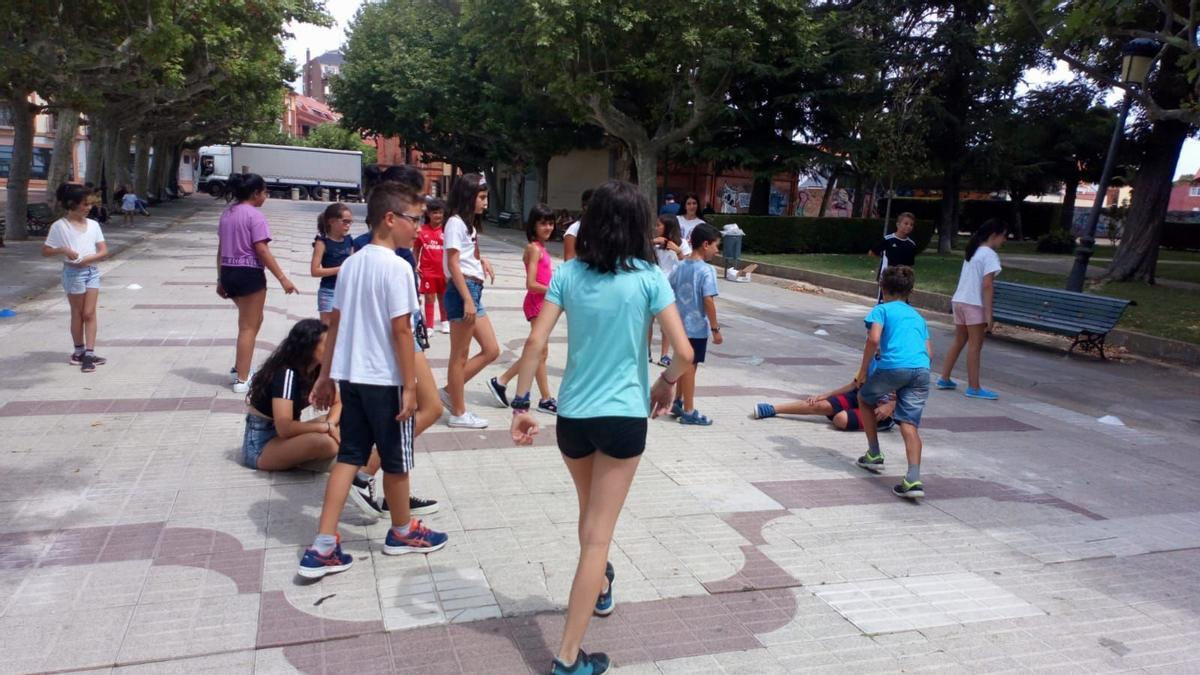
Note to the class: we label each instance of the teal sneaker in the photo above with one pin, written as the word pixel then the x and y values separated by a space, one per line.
pixel 943 383
pixel 907 490
pixel 981 393
pixel 585 664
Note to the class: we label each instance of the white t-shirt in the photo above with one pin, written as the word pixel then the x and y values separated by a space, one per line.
pixel 667 260
pixel 455 236
pixel 572 230
pixel 129 202
pixel 686 225
pixel 970 281
pixel 64 235
pixel 374 286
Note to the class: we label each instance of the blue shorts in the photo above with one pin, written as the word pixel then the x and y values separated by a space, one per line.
pixel 259 431
pixel 76 280
pixel 324 299
pixel 454 301
pixel 912 390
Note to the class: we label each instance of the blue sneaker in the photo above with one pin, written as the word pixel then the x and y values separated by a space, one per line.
pixel 677 408
pixel 585 664
pixel 695 418
pixel 604 603
pixel 314 565
pixel 985 394
pixel 763 411
pixel 943 383
pixel 420 539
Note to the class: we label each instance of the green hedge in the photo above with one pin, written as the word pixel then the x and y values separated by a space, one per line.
pixel 790 234
pixel 1178 235
pixel 1037 218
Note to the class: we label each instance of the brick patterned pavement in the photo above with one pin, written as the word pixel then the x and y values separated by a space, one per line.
pixel 131 539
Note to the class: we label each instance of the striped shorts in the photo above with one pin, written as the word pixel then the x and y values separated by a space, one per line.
pixel 369 419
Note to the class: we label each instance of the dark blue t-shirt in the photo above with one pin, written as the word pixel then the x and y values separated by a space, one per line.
pixel 362 240
pixel 336 253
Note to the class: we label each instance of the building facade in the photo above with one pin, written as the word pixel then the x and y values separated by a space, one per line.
pixel 44 125
pixel 318 72
pixel 302 114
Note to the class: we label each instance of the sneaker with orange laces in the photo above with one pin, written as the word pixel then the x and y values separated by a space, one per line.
pixel 314 565
pixel 418 539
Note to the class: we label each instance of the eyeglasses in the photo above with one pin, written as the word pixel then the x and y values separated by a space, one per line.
pixel 414 219
pixel 347 221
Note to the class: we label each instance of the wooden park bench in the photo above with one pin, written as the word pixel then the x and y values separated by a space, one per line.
pixel 38 219
pixel 507 218
pixel 1087 319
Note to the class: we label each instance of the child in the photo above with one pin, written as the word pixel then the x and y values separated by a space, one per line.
pixel 538 270
pixel 275 438
pixel 572 232
pixel 901 338
pixel 371 354
pixel 839 406
pixel 669 248
pixel 428 251
pixel 896 248
pixel 972 303
pixel 129 206
pixel 331 247
pixel 81 244
pixel 611 293
pixel 465 270
pixel 695 286
pixel 242 253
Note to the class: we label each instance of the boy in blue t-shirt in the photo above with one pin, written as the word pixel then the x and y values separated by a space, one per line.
pixel 901 338
pixel 695 286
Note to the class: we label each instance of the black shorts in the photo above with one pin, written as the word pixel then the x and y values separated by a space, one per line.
pixel 699 349
pixel 239 281
pixel 617 437
pixel 369 418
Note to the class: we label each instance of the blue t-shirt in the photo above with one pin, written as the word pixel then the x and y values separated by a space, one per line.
pixel 904 335
pixel 608 318
pixel 361 241
pixel 336 253
pixel 693 280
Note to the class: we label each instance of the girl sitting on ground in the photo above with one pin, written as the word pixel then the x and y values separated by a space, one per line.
pixel 275 438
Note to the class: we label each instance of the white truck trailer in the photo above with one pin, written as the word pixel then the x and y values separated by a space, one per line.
pixel 284 168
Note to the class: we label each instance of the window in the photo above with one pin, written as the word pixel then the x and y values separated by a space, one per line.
pixel 5 116
pixel 1194 191
pixel 41 162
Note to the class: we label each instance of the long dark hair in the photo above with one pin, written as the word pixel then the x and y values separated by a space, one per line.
pixel 537 214
pixel 990 227
pixel 614 231
pixel 461 201
pixel 295 352
pixel 671 228
pixel 243 186
pixel 332 211
pixel 683 204
pixel 71 195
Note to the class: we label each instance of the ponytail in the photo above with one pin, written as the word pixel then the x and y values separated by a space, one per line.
pixel 990 228
pixel 243 186
pixel 332 211
pixel 461 203
pixel 71 195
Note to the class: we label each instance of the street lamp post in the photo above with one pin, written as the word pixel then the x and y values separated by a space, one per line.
pixel 1136 59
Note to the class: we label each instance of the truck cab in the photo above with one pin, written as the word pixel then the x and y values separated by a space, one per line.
pixel 215 167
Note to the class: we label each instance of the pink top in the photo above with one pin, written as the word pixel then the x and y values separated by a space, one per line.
pixel 534 301
pixel 240 228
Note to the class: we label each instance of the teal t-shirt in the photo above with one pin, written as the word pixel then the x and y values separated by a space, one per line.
pixel 608 318
pixel 904 335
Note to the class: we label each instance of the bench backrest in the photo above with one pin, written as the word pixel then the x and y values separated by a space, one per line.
pixel 1094 313
pixel 41 212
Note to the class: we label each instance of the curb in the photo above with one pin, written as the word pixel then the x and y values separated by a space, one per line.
pixel 1149 346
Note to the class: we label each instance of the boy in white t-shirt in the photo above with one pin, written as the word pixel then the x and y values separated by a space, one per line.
pixel 80 242
pixel 372 355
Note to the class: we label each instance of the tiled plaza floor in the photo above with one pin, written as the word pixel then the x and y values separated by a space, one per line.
pixel 132 540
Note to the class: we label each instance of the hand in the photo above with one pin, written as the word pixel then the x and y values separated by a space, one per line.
pixel 323 393
pixel 811 401
pixel 408 404
pixel 487 270
pixel 523 429
pixel 717 339
pixel 662 395
pixel 660 241
pixel 288 287
pixel 469 313
pixel 221 291
pixel 991 325
pixel 70 254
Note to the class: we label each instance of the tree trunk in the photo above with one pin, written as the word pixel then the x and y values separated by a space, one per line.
pixel 493 186
pixel 519 171
pixel 860 195
pixel 830 184
pixel 1066 217
pixel 17 191
pixel 172 179
pixel 141 164
pixel 64 151
pixel 1018 227
pixel 543 178
pixel 645 159
pixel 95 152
pixel 116 161
pixel 948 221
pixel 160 163
pixel 1137 256
pixel 760 196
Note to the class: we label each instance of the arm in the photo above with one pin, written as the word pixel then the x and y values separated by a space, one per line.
pixel 987 291
pixel 286 427
pixel 869 350
pixel 531 264
pixel 315 268
pixel 406 356
pixel 524 426
pixel 324 393
pixel 264 254
pixel 65 251
pixel 220 288
pixel 710 309
pixel 460 283
pixel 417 245
pixel 662 393
pixel 568 247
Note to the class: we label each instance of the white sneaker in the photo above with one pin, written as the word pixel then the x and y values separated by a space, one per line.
pixel 445 326
pixel 468 420
pixel 233 379
pixel 240 387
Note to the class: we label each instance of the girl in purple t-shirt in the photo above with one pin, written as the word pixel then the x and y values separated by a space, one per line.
pixel 242 254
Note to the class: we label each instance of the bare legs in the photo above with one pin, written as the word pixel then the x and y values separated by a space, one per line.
pixel 281 454
pixel 972 338
pixel 83 317
pixel 250 318
pixel 821 407
pixel 543 381
pixel 602 483
pixel 462 369
pixel 687 389
pixel 912 443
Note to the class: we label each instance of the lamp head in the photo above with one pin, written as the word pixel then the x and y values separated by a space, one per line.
pixel 1136 59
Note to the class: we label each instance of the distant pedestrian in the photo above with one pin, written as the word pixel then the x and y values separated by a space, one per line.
pixel 689 216
pixel 900 338
pixel 80 242
pixel 572 233
pixel 896 248
pixel 695 285
pixel 96 209
pixel 538 272
pixel 331 247
pixel 669 249
pixel 428 250
pixel 670 207
pixel 972 304
pixel 610 293
pixel 242 253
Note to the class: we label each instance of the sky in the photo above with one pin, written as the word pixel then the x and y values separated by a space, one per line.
pixel 320 40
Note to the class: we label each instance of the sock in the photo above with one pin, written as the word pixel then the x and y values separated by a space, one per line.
pixel 324 543
pixel 364 476
pixel 89 352
pixel 402 531
pixel 429 313
pixel 79 350
pixel 914 473
pixel 873 447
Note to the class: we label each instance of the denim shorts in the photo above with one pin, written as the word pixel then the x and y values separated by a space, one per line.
pixel 76 280
pixel 324 299
pixel 912 390
pixel 259 431
pixel 454 301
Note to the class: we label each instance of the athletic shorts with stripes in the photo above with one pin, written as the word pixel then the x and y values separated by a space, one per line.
pixel 369 419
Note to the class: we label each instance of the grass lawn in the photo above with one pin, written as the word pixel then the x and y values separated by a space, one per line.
pixel 1166 312
pixel 1103 251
